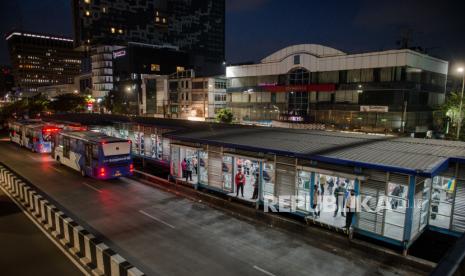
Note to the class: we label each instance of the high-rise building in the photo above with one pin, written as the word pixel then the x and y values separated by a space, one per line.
pixel 194 26
pixel 41 60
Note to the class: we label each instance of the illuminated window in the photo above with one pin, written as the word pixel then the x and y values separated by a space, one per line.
pixel 87 1
pixel 120 31
pixel 164 20
pixel 157 19
pixel 155 67
pixel 104 9
pixel 179 69
pixel 157 13
pixel 87 13
pixel 113 30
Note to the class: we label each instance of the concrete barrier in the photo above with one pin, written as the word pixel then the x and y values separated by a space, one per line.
pixel 91 253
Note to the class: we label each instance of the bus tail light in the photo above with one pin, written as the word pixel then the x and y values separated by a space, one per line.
pixel 131 168
pixel 102 172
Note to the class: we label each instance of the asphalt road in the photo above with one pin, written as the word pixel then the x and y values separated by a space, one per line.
pixel 24 248
pixel 168 235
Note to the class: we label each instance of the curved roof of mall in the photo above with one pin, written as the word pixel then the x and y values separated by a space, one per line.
pixel 424 157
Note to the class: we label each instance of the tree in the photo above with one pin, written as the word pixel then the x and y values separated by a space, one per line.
pixel 36 105
pixel 68 103
pixel 451 108
pixel 224 116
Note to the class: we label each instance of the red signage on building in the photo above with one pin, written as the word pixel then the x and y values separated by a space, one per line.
pixel 300 88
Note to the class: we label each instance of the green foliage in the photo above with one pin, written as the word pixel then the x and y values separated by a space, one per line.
pixel 31 107
pixel 224 116
pixel 452 110
pixel 68 103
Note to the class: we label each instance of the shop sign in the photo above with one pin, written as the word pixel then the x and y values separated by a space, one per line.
pixel 299 88
pixel 118 54
pixel 374 108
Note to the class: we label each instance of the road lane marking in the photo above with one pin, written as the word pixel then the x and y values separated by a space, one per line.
pixel 157 219
pixel 92 187
pixel 263 271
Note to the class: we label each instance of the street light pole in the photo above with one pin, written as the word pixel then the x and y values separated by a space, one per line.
pixel 461 70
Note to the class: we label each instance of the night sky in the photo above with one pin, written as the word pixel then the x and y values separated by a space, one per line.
pixel 256 28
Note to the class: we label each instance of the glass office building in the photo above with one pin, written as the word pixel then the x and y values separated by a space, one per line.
pixel 394 90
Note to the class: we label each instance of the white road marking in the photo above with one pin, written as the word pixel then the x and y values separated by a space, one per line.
pixel 157 219
pixel 263 271
pixel 92 187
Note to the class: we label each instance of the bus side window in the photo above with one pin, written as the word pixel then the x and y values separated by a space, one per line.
pixel 60 140
pixel 95 152
pixel 88 149
pixel 66 147
pixel 36 134
pixel 73 145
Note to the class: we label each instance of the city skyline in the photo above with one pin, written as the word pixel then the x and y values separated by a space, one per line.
pixel 257 28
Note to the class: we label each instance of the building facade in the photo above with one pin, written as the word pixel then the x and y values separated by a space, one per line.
pixel 137 59
pixel 395 90
pixel 41 60
pixel 183 96
pixel 196 27
pixel 195 98
pixel 83 83
pixel 53 91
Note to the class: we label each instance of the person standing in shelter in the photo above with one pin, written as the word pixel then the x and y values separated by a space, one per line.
pixel 255 186
pixel 184 168
pixel 316 200
pixel 351 208
pixel 240 182
pixel 189 169
pixel 339 194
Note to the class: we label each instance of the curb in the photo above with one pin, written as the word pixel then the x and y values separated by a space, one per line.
pixel 93 255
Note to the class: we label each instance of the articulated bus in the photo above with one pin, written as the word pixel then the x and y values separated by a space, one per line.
pixel 94 154
pixel 33 135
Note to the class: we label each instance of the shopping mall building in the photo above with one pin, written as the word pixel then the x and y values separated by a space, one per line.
pixel 388 90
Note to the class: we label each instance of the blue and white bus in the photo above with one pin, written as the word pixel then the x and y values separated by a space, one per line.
pixel 33 135
pixel 94 154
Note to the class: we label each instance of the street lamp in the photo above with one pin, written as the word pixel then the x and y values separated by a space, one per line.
pixel 461 71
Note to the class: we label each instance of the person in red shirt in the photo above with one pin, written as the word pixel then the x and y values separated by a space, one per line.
pixel 240 182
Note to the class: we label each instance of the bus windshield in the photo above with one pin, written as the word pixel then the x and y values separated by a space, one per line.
pixel 117 148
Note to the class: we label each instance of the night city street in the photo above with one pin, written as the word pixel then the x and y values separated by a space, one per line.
pixel 232 137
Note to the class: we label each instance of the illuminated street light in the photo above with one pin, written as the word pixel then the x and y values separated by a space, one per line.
pixel 461 71
pixel 128 89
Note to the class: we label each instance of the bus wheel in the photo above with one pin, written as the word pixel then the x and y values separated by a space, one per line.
pixel 83 173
